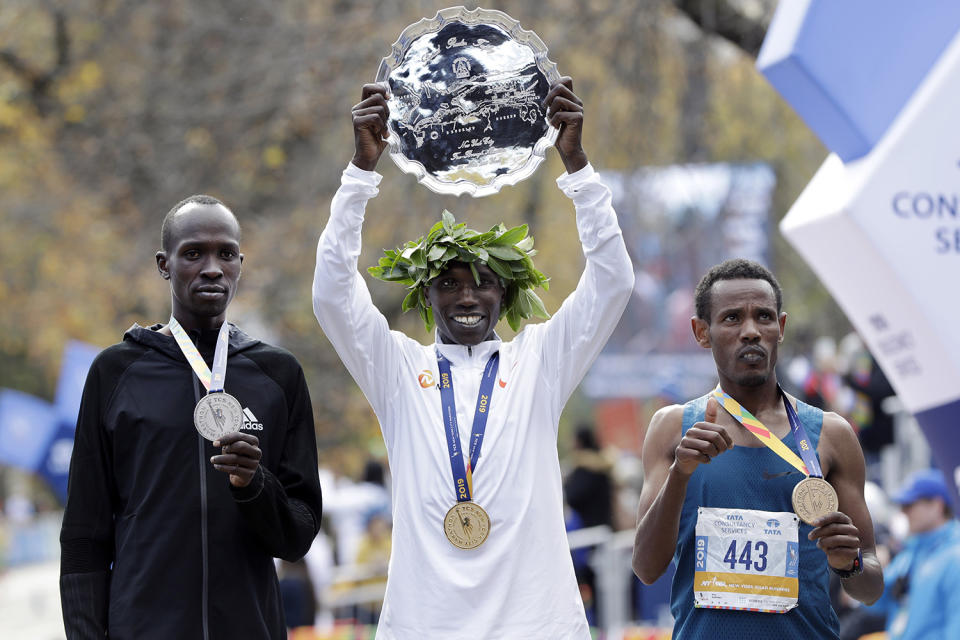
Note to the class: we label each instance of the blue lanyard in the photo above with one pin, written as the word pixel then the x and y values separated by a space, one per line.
pixel 463 474
pixel 807 453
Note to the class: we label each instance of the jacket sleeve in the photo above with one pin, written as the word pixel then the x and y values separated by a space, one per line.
pixel 341 300
pixel 283 507
pixel 576 333
pixel 86 536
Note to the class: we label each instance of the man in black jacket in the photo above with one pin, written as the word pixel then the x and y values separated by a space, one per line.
pixel 167 533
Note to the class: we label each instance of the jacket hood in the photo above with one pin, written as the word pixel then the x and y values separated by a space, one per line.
pixel 150 337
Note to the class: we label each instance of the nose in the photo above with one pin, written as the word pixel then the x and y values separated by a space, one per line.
pixel 468 295
pixel 749 330
pixel 212 268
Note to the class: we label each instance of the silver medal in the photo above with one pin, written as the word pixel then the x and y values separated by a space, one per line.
pixel 217 414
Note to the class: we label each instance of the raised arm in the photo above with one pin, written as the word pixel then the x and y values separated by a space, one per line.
pixel 668 463
pixel 843 533
pixel 341 301
pixel 577 332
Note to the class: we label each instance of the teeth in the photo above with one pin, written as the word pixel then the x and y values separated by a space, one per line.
pixel 467 320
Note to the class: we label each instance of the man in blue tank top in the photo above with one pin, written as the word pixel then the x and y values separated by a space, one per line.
pixel 722 485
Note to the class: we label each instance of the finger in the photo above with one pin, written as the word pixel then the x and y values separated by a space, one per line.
pixel 713 408
pixel 563 104
pixel 714 433
pixel 373 101
pixel 244 449
pixel 705 446
pixel 837 544
pixel 834 530
pixel 686 454
pixel 566 118
pixel 236 436
pixel 230 462
pixel 372 89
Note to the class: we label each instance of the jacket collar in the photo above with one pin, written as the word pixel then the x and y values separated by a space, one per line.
pixel 152 338
pixel 463 356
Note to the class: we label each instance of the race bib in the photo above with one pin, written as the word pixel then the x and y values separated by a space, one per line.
pixel 746 560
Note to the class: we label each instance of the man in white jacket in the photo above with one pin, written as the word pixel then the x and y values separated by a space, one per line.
pixel 479 547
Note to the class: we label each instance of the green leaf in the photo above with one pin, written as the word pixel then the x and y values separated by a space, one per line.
pixel 436 252
pixel 526 244
pixel 418 259
pixel 505 253
pixel 514 319
pixel 447 220
pixel 411 300
pixel 536 304
pixel 511 237
pixel 500 268
pixel 481 253
pixel 476 276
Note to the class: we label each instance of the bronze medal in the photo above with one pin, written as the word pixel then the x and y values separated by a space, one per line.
pixel 217 414
pixel 814 498
pixel 466 525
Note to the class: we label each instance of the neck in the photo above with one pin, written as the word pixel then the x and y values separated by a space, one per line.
pixel 753 398
pixel 193 323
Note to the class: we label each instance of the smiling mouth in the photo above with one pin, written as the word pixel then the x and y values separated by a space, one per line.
pixel 468 320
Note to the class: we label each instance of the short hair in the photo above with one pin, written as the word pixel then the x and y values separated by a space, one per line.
pixel 735 269
pixel 166 229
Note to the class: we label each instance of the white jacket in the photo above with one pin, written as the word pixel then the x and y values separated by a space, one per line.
pixel 520 582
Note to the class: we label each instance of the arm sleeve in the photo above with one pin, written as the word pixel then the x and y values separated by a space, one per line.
pixel 284 508
pixel 574 336
pixel 86 536
pixel 341 300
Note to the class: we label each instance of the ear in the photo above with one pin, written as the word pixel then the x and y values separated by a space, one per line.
pixel 162 265
pixel 782 320
pixel 701 331
pixel 426 295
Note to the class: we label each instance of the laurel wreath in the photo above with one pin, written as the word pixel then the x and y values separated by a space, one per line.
pixel 508 253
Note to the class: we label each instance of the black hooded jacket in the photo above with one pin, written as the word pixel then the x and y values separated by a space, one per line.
pixel 156 543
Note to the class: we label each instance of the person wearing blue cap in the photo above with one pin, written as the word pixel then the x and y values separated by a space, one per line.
pixel 921 596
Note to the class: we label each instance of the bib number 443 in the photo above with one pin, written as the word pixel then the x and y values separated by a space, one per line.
pixel 752 555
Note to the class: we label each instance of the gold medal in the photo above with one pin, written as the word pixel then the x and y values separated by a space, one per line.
pixel 814 498
pixel 466 525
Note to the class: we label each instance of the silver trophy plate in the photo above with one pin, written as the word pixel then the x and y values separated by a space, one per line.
pixel 466 91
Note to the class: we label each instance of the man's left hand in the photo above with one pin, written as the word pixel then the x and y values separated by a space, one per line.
pixel 565 112
pixel 240 456
pixel 839 538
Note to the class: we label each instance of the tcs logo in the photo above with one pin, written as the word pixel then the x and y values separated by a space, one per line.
pixel 426 379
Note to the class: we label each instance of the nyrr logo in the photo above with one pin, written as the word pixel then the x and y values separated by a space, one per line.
pixel 250 422
pixel 426 379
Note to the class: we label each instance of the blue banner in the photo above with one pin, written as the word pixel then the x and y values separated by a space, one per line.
pixel 27 426
pixel 77 358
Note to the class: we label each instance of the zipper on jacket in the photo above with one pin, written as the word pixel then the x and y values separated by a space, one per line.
pixel 204 605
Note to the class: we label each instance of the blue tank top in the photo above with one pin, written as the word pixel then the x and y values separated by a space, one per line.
pixel 750 478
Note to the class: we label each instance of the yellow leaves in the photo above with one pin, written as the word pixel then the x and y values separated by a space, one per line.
pixel 75 113
pixel 199 142
pixel 274 157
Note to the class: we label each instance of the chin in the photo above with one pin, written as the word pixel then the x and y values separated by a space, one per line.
pixel 753 379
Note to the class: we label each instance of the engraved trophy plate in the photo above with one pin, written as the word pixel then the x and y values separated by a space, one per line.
pixel 466 91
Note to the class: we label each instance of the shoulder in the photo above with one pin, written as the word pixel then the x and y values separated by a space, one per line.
pixel 663 434
pixel 836 431
pixel 115 359
pixel 839 447
pixel 274 361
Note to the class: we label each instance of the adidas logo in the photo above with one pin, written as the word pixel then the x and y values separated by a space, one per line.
pixel 250 422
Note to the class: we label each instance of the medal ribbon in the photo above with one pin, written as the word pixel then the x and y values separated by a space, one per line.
pixel 463 473
pixel 807 462
pixel 212 381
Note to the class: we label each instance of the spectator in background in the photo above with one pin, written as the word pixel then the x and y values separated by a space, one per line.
pixel 373 553
pixel 921 596
pixel 869 387
pixel 589 492
pixel 348 505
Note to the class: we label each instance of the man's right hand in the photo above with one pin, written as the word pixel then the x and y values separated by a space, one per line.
pixel 702 442
pixel 370 129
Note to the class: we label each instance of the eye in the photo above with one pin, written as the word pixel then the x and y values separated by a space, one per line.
pixel 766 315
pixel 486 283
pixel 228 254
pixel 730 317
pixel 448 283
pixel 191 254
